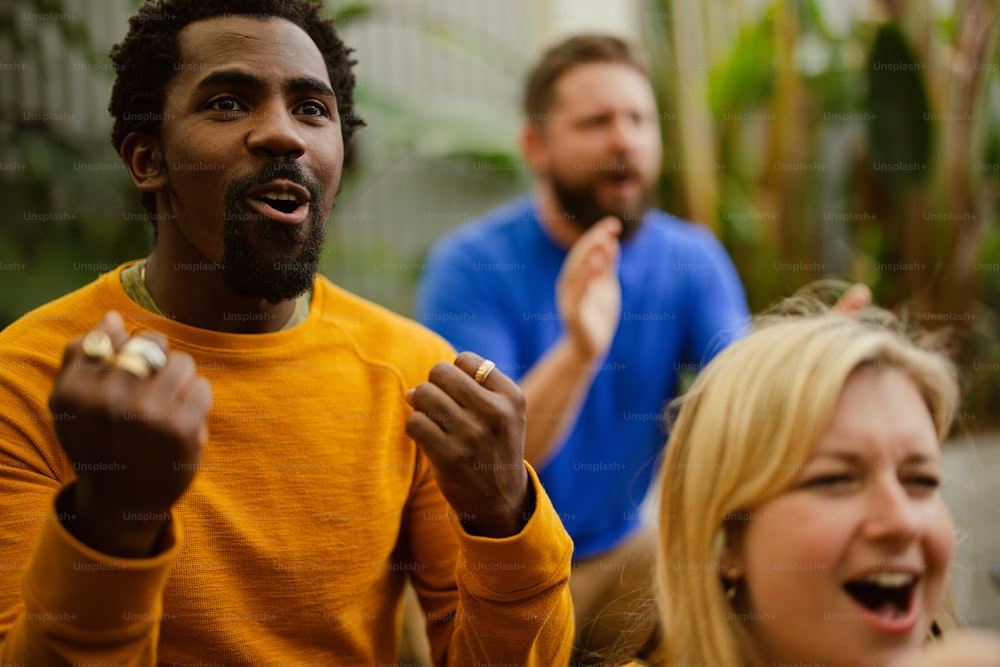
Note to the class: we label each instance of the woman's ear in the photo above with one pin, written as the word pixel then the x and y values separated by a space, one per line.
pixel 728 551
pixel 140 151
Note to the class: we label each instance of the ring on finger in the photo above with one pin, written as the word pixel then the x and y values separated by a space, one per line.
pixel 484 371
pixel 149 351
pixel 97 345
pixel 133 363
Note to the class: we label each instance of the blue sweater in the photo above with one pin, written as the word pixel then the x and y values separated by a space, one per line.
pixel 489 287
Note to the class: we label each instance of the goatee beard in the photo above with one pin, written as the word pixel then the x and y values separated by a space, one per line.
pixel 275 276
pixel 583 209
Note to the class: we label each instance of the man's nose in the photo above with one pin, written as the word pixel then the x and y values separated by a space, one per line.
pixel 275 132
pixel 624 134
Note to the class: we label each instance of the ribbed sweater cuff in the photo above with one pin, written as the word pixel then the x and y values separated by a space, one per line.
pixel 68 583
pixel 521 564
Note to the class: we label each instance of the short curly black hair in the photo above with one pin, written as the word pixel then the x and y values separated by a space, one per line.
pixel 148 57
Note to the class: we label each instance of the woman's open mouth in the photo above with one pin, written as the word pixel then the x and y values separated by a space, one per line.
pixel 888 599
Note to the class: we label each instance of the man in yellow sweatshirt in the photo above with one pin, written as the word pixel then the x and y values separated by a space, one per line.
pixel 214 456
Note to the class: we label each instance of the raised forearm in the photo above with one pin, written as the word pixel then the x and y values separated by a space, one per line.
pixel 555 389
pixel 84 607
pixel 514 601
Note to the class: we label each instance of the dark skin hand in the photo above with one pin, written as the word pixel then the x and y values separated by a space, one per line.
pixel 473 436
pixel 135 443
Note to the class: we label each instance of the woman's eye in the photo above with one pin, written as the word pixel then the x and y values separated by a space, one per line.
pixel 829 480
pixel 924 482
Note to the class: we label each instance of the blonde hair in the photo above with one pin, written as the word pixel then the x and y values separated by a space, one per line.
pixel 742 434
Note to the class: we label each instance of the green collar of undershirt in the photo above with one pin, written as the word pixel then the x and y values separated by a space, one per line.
pixel 135 287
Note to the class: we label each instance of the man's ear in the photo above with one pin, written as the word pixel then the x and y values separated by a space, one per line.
pixel 143 158
pixel 533 148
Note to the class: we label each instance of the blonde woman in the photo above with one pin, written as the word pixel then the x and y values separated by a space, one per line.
pixel 801 521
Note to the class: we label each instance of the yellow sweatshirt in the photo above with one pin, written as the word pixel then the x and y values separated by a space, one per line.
pixel 309 509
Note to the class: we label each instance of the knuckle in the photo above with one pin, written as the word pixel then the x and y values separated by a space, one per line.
pixel 155 337
pixel 467 357
pixel 475 435
pixel 438 372
pixel 517 400
pixel 203 393
pixel 443 416
pixel 182 359
pixel 494 411
pixel 464 458
pixel 154 414
pixel 144 404
pixel 416 427
pixel 71 349
pixel 419 393
pixel 191 436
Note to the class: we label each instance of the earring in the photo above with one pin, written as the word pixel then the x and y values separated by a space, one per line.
pixel 732 580
pixel 730 589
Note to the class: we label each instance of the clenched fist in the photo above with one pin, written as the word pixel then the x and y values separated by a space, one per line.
pixel 134 441
pixel 473 436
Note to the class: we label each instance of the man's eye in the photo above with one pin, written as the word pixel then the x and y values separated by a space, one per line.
pixel 312 109
pixel 226 104
pixel 923 482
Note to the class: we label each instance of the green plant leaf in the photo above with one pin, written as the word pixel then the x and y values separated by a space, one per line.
pixel 746 80
pixel 899 127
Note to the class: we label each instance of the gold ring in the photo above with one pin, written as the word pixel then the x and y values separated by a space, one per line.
pixel 484 371
pixel 134 364
pixel 149 351
pixel 97 345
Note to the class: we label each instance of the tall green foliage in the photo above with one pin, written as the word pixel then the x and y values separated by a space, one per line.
pixel 69 213
pixel 849 140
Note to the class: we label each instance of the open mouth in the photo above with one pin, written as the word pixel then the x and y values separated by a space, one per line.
pixel 624 182
pixel 886 594
pixel 283 202
pixel 280 201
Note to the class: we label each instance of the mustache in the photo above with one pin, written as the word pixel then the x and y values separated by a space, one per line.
pixel 619 168
pixel 279 168
pixel 273 169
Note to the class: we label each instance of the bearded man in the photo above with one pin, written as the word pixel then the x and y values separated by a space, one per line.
pixel 214 456
pixel 595 302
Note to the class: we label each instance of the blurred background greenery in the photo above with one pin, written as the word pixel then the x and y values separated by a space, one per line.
pixel 857 139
